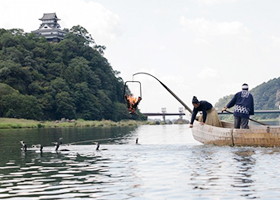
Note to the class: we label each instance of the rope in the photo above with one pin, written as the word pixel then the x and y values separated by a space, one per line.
pixel 92 141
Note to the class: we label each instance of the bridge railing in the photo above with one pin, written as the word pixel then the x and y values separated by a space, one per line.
pixel 219 112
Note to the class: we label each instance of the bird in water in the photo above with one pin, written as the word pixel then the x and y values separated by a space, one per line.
pixel 23 145
pixel 57 145
pixel 136 141
pixel 40 146
pixel 98 146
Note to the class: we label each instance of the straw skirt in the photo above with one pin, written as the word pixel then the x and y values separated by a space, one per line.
pixel 212 118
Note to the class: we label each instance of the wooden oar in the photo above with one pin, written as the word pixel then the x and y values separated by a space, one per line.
pixel 250 119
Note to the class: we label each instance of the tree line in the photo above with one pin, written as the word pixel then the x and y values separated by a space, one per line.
pixel 48 81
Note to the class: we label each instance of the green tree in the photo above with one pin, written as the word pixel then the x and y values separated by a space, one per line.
pixel 65 107
pixel 68 79
pixel 87 104
pixel 83 34
pixel 14 75
pixel 20 106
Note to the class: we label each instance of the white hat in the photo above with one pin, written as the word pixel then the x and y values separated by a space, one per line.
pixel 245 86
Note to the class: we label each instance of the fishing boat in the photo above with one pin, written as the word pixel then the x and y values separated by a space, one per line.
pixel 256 135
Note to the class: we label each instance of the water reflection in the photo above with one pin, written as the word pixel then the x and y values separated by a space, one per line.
pixel 245 168
pixel 217 169
pixel 58 175
pixel 50 174
pixel 167 164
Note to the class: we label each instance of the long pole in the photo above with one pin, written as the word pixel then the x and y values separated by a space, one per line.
pixel 172 93
pixel 250 119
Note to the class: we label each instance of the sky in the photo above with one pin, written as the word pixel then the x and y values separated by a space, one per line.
pixel 203 48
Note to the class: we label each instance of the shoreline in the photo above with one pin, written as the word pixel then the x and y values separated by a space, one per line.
pixel 13 123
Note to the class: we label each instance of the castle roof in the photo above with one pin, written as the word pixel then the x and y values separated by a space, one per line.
pixel 48 16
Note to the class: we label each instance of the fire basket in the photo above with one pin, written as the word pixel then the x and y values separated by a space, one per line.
pixel 129 98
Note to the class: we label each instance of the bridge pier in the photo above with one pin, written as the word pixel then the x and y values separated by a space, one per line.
pixel 163 110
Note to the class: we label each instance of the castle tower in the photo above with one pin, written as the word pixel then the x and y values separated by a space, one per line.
pixel 49 28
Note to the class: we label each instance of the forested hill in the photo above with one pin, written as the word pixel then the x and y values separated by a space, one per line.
pixel 70 79
pixel 266 97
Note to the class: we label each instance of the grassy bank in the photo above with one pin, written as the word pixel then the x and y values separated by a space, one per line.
pixel 11 123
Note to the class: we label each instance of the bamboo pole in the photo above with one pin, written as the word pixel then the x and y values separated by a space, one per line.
pixel 250 119
pixel 172 93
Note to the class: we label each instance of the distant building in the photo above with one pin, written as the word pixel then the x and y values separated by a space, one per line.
pixel 49 28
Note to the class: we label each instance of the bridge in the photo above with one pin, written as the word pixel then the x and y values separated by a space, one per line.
pixel 219 112
pixel 181 113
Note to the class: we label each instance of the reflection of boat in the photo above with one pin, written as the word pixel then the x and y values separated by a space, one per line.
pixel 256 135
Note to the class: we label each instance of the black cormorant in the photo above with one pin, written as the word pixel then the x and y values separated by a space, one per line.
pixel 97 145
pixel 23 145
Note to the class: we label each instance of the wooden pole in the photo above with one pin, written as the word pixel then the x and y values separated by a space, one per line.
pixel 250 119
pixel 172 93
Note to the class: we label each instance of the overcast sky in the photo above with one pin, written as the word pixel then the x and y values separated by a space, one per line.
pixel 206 48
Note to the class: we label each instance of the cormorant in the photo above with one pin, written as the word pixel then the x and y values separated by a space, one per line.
pixel 23 145
pixel 40 146
pixel 57 144
pixel 97 145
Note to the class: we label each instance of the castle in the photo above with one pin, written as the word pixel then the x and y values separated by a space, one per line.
pixel 49 28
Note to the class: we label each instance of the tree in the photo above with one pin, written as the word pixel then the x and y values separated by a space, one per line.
pixel 69 79
pixel 14 75
pixel 59 85
pixel 65 107
pixel 20 106
pixel 8 40
pixel 87 104
pixel 81 32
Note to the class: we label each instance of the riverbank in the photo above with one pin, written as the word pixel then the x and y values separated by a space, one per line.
pixel 11 123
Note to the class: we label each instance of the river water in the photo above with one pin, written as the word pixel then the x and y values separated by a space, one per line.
pixel 167 163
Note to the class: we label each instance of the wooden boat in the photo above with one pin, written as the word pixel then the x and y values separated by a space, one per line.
pixel 256 135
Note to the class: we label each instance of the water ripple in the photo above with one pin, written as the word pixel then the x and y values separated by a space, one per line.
pixel 161 167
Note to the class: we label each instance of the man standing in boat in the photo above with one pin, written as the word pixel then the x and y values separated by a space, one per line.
pixel 244 107
pixel 209 114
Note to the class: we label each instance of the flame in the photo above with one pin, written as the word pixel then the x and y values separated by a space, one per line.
pixel 132 100
pixel 132 103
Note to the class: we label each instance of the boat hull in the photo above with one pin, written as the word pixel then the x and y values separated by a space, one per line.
pixel 254 136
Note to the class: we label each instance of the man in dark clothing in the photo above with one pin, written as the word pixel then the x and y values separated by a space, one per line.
pixel 244 107
pixel 209 114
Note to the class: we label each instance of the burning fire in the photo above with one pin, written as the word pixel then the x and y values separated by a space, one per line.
pixel 132 100
pixel 132 103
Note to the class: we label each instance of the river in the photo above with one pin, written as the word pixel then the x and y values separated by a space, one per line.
pixel 167 163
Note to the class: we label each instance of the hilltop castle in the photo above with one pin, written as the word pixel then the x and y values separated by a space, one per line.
pixel 49 28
